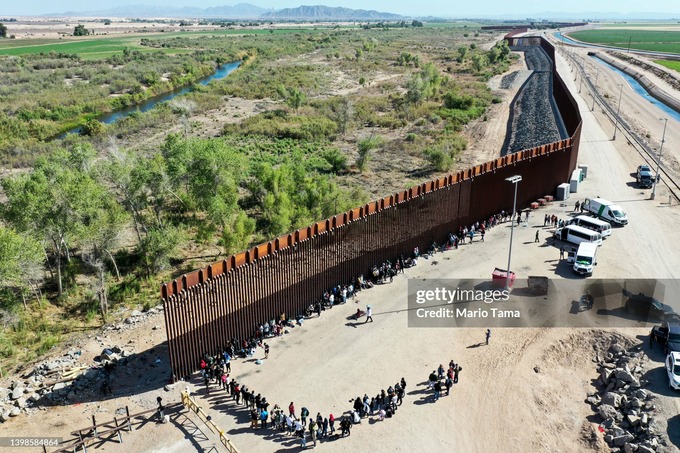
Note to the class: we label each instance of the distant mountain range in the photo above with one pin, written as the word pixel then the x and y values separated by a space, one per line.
pixel 238 11
pixel 328 13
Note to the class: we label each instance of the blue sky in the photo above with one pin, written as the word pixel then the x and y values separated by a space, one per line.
pixel 448 8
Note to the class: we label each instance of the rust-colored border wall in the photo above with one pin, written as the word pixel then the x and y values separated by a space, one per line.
pixel 206 308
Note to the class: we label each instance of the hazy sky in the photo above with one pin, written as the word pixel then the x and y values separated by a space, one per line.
pixel 449 8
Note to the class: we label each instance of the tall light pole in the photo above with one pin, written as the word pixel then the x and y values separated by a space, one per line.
pixel 618 109
pixel 515 180
pixel 658 161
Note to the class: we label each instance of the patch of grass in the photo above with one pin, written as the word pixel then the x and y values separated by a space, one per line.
pixel 652 40
pixel 674 65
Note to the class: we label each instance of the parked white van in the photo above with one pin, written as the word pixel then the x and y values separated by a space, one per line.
pixel 586 258
pixel 605 209
pixel 602 227
pixel 576 235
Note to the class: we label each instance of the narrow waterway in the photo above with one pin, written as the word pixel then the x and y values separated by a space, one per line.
pixel 220 73
pixel 639 89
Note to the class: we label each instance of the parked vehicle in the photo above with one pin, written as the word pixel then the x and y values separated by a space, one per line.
pixel 647 307
pixel 576 235
pixel 602 227
pixel 644 177
pixel 606 210
pixel 586 258
pixel 667 335
pixel 673 370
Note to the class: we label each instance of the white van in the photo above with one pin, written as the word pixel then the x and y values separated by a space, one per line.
pixel 602 227
pixel 606 210
pixel 586 258
pixel 576 235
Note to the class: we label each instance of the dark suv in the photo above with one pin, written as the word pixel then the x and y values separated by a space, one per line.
pixel 668 335
pixel 644 176
pixel 647 307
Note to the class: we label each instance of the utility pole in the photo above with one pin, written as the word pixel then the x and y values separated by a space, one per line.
pixel 658 161
pixel 618 109
pixel 595 88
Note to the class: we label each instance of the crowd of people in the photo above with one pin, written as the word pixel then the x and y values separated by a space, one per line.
pixel 216 368
pixel 443 379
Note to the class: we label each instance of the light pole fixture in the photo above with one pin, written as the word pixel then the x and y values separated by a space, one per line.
pixel 618 109
pixel 658 161
pixel 514 180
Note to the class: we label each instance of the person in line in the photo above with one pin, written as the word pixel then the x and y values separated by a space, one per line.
pixel 331 424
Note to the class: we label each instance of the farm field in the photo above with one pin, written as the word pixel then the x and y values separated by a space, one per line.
pixel 99 47
pixel 652 40
pixel 674 65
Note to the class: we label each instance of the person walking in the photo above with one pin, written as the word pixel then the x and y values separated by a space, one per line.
pixel 369 313
pixel 291 409
pixel 561 253
pixel 488 335
pixel 536 238
pixel 266 346
pixel 437 390
pixel 331 424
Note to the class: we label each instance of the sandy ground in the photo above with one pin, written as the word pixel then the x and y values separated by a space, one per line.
pixel 500 403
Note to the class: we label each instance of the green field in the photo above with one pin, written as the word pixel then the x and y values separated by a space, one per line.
pixel 674 65
pixel 93 47
pixel 652 40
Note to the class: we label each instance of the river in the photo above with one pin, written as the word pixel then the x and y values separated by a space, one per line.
pixel 108 118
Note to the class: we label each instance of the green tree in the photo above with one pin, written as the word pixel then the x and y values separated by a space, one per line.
pixel 364 147
pixel 342 112
pixel 416 23
pixel 3 30
pixel 478 62
pixel 462 53
pixel 293 97
pixel 58 202
pixel 92 128
pixel 80 30
pixel 21 262
pixel 336 159
pixel 440 160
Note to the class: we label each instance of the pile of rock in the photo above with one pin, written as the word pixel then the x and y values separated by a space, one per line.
pixel 625 408
pixel 59 381
pixel 135 317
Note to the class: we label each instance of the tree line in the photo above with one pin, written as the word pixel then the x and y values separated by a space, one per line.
pixel 77 213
